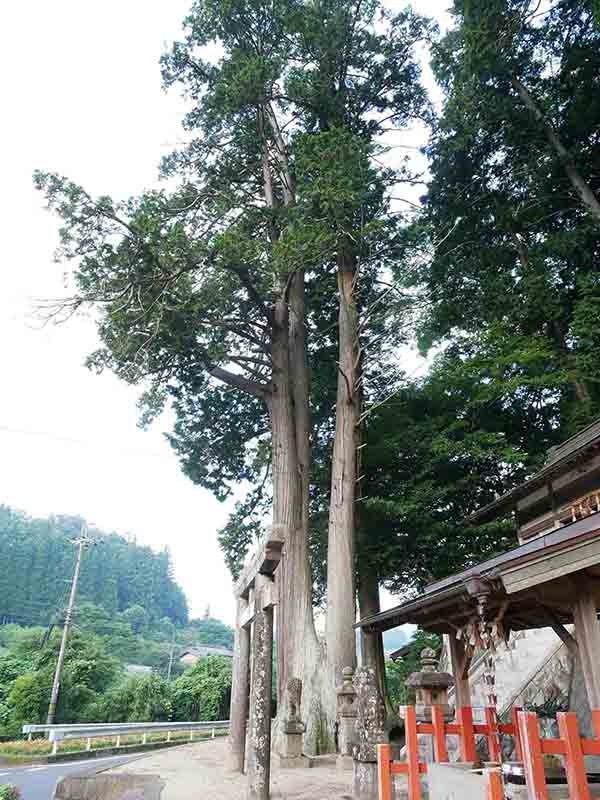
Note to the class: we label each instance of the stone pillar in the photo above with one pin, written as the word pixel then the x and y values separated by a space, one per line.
pixel 431 689
pixel 259 746
pixel 346 717
pixel 370 732
pixel 240 683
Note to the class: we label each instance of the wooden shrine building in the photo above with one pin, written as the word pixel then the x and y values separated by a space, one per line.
pixel 551 579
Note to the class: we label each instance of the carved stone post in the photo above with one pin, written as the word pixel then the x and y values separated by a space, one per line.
pixel 346 714
pixel 240 682
pixel 293 730
pixel 259 750
pixel 431 690
pixel 370 732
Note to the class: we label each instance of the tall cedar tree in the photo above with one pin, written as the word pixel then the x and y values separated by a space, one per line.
pixel 202 290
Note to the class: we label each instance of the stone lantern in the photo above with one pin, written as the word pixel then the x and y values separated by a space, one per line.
pixel 431 688
pixel 346 717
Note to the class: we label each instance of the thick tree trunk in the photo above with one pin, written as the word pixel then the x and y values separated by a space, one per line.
pixel 371 643
pixel 299 653
pixel 587 196
pixel 298 650
pixel 341 614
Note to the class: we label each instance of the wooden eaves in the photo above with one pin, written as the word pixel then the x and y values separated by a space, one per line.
pixel 533 585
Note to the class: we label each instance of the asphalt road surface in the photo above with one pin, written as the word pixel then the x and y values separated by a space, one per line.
pixel 38 782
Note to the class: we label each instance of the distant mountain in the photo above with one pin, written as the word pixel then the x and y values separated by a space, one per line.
pixel 38 558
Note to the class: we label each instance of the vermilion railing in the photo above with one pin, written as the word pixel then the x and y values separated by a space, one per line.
pixel 571 746
pixel 530 748
pixel 438 728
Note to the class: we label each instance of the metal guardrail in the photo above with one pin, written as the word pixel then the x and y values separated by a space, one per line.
pixel 58 733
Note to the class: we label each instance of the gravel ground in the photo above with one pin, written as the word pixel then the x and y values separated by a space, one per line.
pixel 197 772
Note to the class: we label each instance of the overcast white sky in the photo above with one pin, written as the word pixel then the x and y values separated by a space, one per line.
pixel 82 96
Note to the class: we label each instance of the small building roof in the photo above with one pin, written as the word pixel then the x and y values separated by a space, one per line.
pixel 203 651
pixel 530 586
pixel 560 459
pixel 138 669
pixel 401 652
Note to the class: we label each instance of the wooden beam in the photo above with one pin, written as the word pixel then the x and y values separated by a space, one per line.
pixel 557 626
pixel 587 631
pixel 461 661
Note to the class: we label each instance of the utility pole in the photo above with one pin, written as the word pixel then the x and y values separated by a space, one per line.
pixel 171 656
pixel 82 542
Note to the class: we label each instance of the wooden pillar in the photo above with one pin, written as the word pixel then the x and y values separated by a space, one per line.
pixel 588 640
pixel 259 746
pixel 461 662
pixel 240 683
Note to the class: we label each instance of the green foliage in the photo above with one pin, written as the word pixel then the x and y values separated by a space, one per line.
pixel 9 792
pixel 28 670
pixel 116 575
pixel 505 252
pixel 302 92
pixel 136 617
pixel 397 672
pixel 138 699
pixel 432 455
pixel 94 687
pixel 209 631
pixel 204 691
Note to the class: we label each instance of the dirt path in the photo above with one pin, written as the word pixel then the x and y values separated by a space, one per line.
pixel 196 772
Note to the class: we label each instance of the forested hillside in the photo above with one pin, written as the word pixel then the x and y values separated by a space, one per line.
pixel 128 611
pixel 38 560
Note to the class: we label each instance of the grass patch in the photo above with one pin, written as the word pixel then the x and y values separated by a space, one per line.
pixel 20 748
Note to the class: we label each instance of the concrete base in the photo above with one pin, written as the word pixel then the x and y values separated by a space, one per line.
pixel 296 762
pixel 124 786
pixel 344 763
pixel 455 782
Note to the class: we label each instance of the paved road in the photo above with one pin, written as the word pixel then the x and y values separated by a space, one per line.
pixel 37 783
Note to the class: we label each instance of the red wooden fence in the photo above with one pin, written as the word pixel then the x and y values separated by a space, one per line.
pixel 438 728
pixel 570 746
pixel 530 748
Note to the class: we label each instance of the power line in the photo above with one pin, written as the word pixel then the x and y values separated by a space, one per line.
pixel 137 451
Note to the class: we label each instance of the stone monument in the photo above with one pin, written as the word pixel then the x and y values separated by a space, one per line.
pixel 370 731
pixel 293 730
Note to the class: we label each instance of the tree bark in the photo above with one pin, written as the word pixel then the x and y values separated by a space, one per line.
pixel 341 614
pixel 299 653
pixel 371 643
pixel 587 196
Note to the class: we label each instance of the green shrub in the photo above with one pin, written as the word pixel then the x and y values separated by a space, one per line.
pixel 9 792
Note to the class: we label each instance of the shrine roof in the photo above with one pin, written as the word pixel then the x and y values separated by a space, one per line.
pixel 560 459
pixel 530 586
